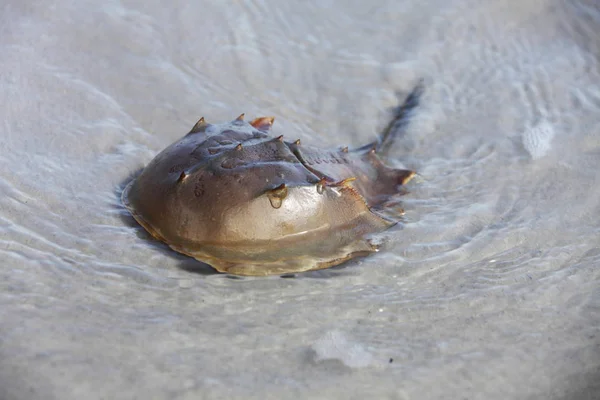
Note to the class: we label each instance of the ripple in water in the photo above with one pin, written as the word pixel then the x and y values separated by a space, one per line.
pixel 335 346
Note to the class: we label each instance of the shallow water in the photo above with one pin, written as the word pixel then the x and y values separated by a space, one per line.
pixel 489 290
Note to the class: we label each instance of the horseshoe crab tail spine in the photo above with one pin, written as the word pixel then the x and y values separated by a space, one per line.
pixel 397 127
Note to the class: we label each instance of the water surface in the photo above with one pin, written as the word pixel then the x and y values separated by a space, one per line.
pixel 489 290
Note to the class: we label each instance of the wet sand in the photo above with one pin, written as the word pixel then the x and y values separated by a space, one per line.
pixel 490 289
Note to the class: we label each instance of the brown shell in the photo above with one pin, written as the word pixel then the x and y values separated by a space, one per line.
pixel 247 203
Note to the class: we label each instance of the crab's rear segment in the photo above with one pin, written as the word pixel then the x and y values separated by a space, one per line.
pixel 246 203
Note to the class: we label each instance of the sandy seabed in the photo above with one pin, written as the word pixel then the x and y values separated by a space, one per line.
pixel 489 290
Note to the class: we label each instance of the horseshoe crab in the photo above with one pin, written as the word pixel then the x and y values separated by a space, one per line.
pixel 247 203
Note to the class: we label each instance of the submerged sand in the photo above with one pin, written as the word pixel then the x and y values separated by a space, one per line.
pixel 489 290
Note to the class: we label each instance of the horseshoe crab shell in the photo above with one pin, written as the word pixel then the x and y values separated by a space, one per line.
pixel 247 203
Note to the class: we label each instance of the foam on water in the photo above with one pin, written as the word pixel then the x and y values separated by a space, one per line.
pixel 537 139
